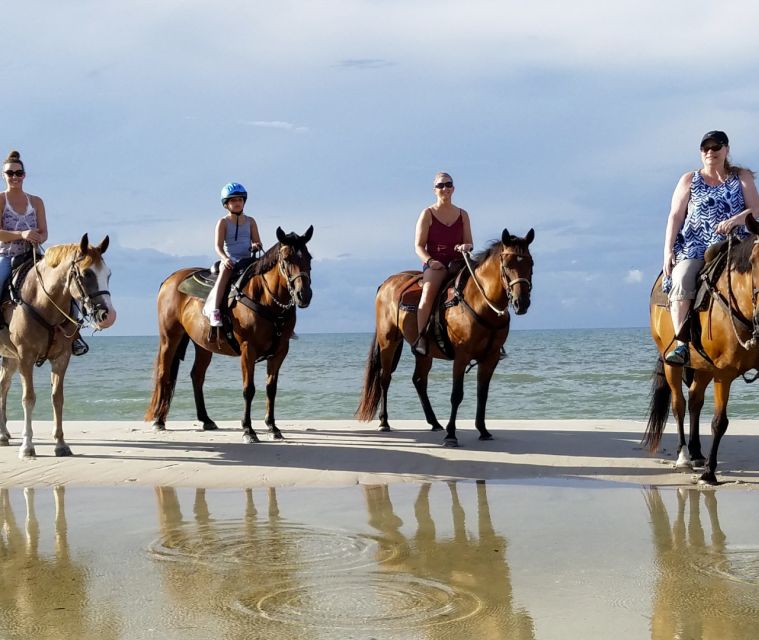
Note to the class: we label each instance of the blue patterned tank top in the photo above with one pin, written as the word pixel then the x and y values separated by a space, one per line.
pixel 237 240
pixel 707 207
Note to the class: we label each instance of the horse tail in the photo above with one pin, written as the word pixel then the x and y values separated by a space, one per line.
pixel 658 408
pixel 372 391
pixel 163 386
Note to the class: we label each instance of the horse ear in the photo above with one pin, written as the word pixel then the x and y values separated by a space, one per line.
pixel 505 236
pixel 308 234
pixel 280 235
pixel 84 244
pixel 104 245
pixel 530 236
pixel 751 224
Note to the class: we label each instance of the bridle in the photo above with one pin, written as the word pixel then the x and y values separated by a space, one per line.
pixel 754 340
pixel 290 283
pixel 510 283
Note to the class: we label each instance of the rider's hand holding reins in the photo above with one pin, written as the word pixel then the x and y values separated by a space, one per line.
pixel 461 248
pixel 32 235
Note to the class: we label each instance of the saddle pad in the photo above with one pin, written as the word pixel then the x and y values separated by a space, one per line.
pixel 198 284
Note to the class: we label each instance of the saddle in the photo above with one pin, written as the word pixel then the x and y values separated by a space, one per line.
pixel 20 267
pixel 450 295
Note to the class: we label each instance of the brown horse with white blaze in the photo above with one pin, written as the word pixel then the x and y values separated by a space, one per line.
pixel 477 328
pixel 40 327
pixel 730 341
pixel 263 320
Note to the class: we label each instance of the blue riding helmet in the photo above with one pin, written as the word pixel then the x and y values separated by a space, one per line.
pixel 231 190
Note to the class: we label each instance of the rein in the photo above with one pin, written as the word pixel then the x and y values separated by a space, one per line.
pixel 509 283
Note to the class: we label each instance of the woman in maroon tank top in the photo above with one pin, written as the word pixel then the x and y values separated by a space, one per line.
pixel 442 231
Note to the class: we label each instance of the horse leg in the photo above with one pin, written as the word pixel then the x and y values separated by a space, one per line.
pixel 198 377
pixel 674 376
pixel 57 373
pixel 390 354
pixel 696 393
pixel 28 400
pixel 719 426
pixel 248 363
pixel 457 395
pixel 7 369
pixel 485 371
pixel 420 376
pixel 272 378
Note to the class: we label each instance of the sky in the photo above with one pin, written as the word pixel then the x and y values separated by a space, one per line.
pixel 574 119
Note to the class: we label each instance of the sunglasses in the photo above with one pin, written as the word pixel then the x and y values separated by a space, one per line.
pixel 444 185
pixel 712 147
pixel 19 173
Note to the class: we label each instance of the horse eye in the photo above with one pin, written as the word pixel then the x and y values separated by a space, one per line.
pixel 520 258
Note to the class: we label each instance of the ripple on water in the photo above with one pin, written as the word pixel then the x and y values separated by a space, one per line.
pixel 378 602
pixel 739 564
pixel 281 548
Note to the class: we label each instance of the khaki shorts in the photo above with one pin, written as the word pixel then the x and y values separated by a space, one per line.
pixel 684 277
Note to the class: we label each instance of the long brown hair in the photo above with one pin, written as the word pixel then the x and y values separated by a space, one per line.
pixel 14 157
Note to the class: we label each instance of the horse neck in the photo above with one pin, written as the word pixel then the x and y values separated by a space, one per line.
pixel 742 286
pixel 262 286
pixel 488 274
pixel 53 285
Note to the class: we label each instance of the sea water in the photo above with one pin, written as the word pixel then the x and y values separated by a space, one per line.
pixel 552 374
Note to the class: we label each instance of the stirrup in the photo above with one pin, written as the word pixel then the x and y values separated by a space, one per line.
pixel 679 356
pixel 79 347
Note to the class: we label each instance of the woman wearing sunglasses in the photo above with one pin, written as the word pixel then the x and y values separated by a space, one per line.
pixel 23 216
pixel 442 232
pixel 706 205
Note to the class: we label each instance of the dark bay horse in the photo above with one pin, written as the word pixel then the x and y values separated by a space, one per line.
pixel 41 328
pixel 477 328
pixel 263 322
pixel 729 334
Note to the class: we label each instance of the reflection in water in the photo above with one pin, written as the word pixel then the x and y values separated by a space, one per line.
pixel 704 589
pixel 473 568
pixel 44 594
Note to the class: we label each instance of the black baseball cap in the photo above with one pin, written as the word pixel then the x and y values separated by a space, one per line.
pixel 718 136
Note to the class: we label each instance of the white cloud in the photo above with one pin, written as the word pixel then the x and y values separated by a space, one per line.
pixel 634 276
pixel 275 124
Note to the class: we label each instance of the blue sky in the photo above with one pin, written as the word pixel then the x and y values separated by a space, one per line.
pixel 576 119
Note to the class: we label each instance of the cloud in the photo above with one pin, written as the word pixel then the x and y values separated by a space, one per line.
pixel 634 276
pixel 364 63
pixel 274 124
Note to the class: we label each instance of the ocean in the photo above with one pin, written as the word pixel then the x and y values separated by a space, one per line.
pixel 559 374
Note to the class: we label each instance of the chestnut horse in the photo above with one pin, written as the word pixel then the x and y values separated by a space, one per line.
pixel 477 328
pixel 730 330
pixel 41 327
pixel 262 320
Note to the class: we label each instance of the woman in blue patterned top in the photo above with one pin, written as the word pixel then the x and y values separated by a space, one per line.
pixel 706 205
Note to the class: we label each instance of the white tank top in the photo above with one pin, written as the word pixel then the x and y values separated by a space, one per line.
pixel 14 221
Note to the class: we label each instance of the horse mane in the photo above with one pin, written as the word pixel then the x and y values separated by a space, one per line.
pixel 493 248
pixel 741 255
pixel 269 260
pixel 59 253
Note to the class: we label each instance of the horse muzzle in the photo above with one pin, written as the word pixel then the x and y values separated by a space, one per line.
pixel 103 317
pixel 303 297
pixel 521 305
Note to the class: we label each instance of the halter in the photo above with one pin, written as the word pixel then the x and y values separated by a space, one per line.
pixel 504 276
pixel 290 280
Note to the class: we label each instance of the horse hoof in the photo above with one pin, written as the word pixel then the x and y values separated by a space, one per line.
pixel 4 442
pixel 485 436
pixel 684 467
pixel 27 454
pixel 384 428
pixel 708 480
pixel 437 427
pixel 450 442
pixel 210 426
pixel 159 426
pixel 63 452
pixel 699 463
pixel 250 438
pixel 277 435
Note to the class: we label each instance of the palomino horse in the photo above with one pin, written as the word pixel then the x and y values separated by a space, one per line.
pixel 477 328
pixel 729 333
pixel 263 321
pixel 41 328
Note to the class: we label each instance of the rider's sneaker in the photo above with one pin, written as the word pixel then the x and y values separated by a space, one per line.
pixel 79 347
pixel 679 356
pixel 215 318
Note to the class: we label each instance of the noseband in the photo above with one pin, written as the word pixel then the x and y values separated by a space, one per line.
pixel 504 276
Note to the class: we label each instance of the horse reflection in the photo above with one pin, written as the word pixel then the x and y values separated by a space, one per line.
pixel 476 564
pixel 45 595
pixel 689 601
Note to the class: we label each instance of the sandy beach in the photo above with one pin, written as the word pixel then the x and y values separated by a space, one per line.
pixel 345 452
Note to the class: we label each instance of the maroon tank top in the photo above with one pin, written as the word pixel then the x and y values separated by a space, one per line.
pixel 442 238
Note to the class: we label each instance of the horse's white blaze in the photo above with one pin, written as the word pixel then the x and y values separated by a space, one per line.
pixel 101 273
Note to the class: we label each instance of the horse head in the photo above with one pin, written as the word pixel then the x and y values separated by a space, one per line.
pixel 753 226
pixel 295 264
pixel 516 269
pixel 89 283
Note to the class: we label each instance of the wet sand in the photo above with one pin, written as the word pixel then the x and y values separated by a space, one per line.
pixel 345 452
